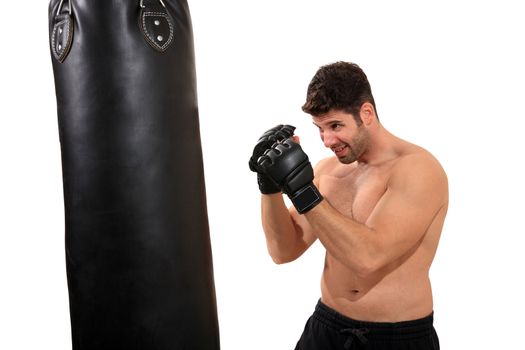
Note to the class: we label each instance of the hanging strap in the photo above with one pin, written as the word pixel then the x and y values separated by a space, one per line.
pixel 156 24
pixel 62 35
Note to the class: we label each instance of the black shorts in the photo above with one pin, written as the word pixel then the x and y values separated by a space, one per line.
pixel 327 329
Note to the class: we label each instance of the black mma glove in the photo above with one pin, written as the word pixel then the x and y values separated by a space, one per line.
pixel 288 166
pixel 278 133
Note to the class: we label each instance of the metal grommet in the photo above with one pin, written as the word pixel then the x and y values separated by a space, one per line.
pixel 160 38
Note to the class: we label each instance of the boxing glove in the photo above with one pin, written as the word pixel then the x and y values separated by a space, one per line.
pixel 288 167
pixel 278 133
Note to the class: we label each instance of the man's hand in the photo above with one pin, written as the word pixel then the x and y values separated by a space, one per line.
pixel 276 134
pixel 288 166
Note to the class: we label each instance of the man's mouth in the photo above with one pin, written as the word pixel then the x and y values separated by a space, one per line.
pixel 340 150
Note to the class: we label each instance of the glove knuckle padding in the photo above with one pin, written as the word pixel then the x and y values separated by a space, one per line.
pixel 264 162
pixel 262 159
pixel 260 147
pixel 268 139
pixel 284 161
pixel 289 129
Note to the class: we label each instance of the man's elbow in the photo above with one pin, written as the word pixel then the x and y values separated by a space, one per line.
pixel 281 259
pixel 364 271
pixel 368 262
pixel 367 266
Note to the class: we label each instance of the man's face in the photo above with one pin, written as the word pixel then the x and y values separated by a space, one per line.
pixel 340 132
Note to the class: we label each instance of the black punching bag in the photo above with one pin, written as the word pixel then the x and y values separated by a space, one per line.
pixel 138 252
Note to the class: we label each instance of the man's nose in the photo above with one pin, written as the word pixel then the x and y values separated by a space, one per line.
pixel 329 139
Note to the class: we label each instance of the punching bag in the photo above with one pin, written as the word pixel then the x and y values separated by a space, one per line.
pixel 138 255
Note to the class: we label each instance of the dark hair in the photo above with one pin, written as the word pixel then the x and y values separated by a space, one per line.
pixel 340 86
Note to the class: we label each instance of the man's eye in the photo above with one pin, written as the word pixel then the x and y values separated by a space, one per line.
pixel 336 126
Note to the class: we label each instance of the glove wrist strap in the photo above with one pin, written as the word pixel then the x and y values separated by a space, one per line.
pixel 306 198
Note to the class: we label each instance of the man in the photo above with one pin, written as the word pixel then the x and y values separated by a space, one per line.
pixel 377 206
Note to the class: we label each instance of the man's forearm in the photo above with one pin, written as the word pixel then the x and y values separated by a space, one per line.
pixel 279 228
pixel 347 240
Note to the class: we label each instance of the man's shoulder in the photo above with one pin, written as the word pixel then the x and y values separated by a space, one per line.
pixel 415 158
pixel 418 167
pixel 326 165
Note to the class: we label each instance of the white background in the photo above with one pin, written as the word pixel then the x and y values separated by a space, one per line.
pixel 446 75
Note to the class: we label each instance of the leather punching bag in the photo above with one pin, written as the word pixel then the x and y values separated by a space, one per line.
pixel 138 253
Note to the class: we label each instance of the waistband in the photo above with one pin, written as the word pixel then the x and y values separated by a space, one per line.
pixel 380 330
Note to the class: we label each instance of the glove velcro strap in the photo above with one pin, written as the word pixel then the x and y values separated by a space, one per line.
pixel 306 198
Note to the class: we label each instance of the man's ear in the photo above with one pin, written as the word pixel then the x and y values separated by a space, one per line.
pixel 367 113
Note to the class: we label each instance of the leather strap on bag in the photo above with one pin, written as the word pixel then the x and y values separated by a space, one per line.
pixel 62 35
pixel 156 24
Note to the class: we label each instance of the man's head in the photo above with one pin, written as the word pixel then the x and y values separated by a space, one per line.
pixel 338 86
pixel 340 132
pixel 340 101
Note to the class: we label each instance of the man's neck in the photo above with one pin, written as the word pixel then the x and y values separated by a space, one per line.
pixel 381 148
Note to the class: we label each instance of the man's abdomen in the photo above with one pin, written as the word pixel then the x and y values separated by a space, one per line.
pixel 402 294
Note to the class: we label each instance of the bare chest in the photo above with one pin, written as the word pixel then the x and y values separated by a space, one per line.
pixel 356 193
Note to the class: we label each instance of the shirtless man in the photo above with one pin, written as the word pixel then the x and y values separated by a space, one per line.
pixel 377 206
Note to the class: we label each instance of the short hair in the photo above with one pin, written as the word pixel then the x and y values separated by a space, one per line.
pixel 339 86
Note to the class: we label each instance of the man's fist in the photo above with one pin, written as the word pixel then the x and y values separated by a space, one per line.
pixel 288 166
pixel 276 134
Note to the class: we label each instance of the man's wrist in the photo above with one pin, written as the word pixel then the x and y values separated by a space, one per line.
pixel 306 198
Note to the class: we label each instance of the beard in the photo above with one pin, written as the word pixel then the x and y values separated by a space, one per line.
pixel 357 146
